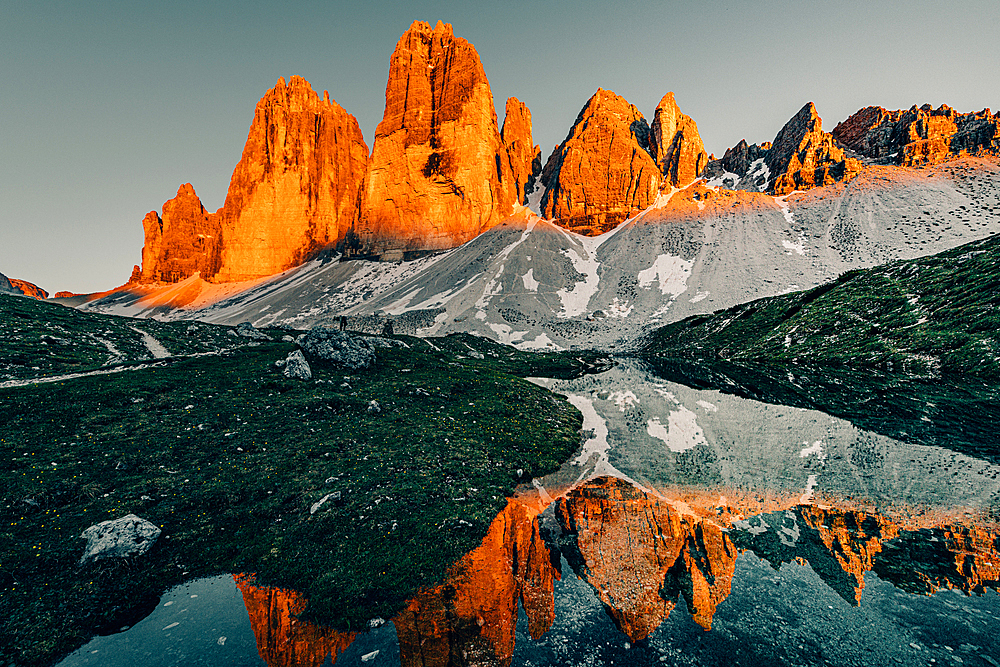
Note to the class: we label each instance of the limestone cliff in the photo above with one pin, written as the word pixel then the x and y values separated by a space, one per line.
pixel 640 554
pixel 676 145
pixel 296 188
pixel 184 240
pixel 604 171
pixel 439 172
pixel 919 135
pixel 525 159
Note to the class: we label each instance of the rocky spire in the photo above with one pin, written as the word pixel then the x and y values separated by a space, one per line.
pixel 675 144
pixel 603 172
pixel 181 242
pixel 802 155
pixel 525 159
pixel 297 186
pixel 439 173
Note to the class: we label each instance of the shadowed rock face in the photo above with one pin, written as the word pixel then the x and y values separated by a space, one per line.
pixel 676 145
pixel 919 135
pixel 604 171
pixel 439 172
pixel 283 640
pixel 295 191
pixel 183 241
pixel 803 156
pixel 525 159
pixel 296 188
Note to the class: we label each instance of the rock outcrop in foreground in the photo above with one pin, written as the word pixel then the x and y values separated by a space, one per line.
pixel 439 172
pixel 802 156
pixel 604 172
pixel 919 136
pixel 295 191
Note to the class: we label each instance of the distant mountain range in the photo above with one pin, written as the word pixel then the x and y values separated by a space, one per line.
pixel 452 222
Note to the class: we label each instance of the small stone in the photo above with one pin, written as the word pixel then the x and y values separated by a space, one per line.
pixel 373 406
pixel 119 538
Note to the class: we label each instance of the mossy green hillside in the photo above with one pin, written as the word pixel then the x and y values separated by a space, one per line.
pixel 921 318
pixel 229 457
pixel 38 339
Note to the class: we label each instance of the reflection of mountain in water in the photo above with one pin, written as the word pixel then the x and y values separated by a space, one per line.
pixel 642 553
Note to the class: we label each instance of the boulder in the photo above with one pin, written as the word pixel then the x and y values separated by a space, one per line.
pixel 247 330
pixel 353 352
pixel 296 366
pixel 129 536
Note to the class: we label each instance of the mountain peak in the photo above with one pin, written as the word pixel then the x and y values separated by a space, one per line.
pixel 676 144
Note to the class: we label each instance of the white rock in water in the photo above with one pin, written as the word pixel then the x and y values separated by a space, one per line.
pixel 119 538
pixel 296 366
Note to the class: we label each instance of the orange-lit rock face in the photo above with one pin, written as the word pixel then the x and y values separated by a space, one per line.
pixel 525 158
pixel 296 188
pixel 639 554
pixel 28 289
pixel 439 173
pixel 282 640
pixel 471 619
pixel 676 144
pixel 853 538
pixel 183 241
pixel 803 156
pixel 919 135
pixel 603 172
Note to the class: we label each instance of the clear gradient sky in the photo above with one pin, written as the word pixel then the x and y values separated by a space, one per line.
pixel 107 106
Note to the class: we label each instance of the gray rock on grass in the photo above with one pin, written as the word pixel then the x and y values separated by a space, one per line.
pixel 297 367
pixel 119 538
pixel 247 330
pixel 352 352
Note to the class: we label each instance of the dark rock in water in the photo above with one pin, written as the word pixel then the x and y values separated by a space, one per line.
pixel 352 352
pixel 119 538
pixel 297 367
pixel 247 330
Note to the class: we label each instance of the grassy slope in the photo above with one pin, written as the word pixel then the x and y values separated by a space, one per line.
pixel 228 456
pixel 920 317
pixel 908 349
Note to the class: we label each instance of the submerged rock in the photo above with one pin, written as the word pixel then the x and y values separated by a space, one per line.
pixel 119 538
pixel 352 352
pixel 297 367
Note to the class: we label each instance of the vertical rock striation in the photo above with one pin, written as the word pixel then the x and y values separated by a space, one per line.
pixel 919 135
pixel 604 171
pixel 296 188
pixel 525 159
pixel 181 242
pixel 676 145
pixel 439 172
